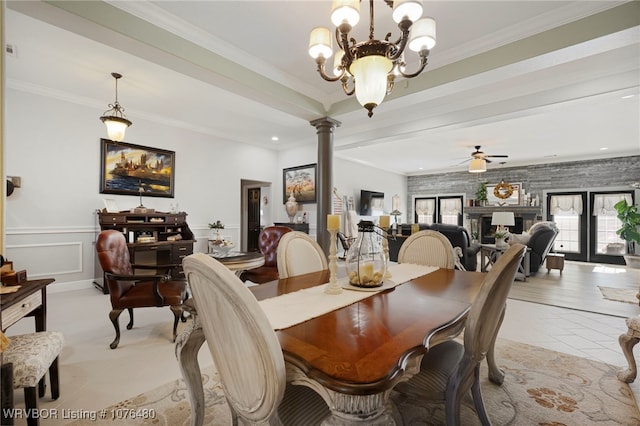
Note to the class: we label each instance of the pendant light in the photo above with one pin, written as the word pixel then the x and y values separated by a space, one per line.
pixel 114 117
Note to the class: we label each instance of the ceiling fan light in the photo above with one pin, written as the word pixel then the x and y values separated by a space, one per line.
pixel 320 43
pixel 370 75
pixel 345 11
pixel 422 35
pixel 409 9
pixel 477 165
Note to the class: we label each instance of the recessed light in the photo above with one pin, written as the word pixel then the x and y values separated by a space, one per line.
pixel 275 138
pixel 627 96
pixel 604 148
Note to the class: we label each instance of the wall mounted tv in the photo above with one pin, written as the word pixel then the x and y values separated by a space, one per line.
pixel 371 203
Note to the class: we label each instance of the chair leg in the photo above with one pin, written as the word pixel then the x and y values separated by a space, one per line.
pixel 42 386
pixel 113 316
pixel 476 392
pixel 177 314
pixel 130 325
pixel 54 378
pixel 31 406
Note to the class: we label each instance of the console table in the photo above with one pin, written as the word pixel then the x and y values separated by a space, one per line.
pixel 302 227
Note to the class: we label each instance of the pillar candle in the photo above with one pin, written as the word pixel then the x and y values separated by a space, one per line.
pixel 333 222
pixel 415 228
pixel 384 222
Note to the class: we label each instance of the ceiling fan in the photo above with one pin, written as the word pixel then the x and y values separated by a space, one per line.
pixel 479 155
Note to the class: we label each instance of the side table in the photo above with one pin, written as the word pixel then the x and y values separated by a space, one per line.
pixel 489 254
pixel 555 261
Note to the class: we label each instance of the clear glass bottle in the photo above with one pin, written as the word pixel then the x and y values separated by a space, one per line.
pixel 365 261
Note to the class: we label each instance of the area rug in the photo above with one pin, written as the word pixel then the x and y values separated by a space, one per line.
pixel 619 294
pixel 541 387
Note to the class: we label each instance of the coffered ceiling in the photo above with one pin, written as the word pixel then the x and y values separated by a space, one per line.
pixel 540 81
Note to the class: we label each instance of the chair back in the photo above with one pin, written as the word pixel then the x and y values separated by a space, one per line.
pixel 268 241
pixel 113 253
pixel 244 347
pixel 486 313
pixel 429 248
pixel 299 254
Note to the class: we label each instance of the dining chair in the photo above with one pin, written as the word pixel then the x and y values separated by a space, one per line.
pixel 299 254
pixel 450 369
pixel 430 248
pixel 246 350
pixel 128 290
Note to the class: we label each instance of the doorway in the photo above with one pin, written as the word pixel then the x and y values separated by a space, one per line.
pixel 255 210
pixel 253 218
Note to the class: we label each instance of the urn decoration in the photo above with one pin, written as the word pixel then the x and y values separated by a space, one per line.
pixel 291 207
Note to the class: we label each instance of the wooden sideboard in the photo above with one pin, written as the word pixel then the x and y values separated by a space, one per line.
pixel 153 238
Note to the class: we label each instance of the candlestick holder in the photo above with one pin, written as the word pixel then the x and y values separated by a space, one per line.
pixel 333 287
pixel 385 249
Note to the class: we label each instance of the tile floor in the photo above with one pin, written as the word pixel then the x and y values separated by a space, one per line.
pixel 94 376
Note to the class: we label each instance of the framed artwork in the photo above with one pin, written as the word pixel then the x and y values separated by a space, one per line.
pixel 301 181
pixel 502 194
pixel 129 169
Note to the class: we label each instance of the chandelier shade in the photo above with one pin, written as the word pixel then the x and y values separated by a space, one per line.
pixel 114 117
pixel 477 165
pixel 377 61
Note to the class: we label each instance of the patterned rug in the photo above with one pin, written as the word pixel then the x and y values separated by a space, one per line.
pixel 541 387
pixel 619 294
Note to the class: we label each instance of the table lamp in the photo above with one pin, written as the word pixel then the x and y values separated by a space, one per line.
pixel 502 220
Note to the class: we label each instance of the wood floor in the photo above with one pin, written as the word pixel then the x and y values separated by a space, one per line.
pixel 577 288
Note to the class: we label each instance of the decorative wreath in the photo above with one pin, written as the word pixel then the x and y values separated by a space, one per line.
pixel 503 190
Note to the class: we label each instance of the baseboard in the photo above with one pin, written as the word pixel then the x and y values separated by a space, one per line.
pixel 69 286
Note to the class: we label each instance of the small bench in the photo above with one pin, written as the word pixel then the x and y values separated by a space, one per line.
pixel 627 342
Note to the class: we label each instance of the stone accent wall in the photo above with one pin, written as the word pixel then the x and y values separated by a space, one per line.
pixel 610 172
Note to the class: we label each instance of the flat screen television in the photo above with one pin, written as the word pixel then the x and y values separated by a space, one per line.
pixel 371 203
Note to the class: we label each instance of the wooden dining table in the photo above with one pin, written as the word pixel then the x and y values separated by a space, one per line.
pixel 355 355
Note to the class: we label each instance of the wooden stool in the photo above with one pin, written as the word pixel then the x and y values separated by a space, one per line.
pixel 627 342
pixel 555 261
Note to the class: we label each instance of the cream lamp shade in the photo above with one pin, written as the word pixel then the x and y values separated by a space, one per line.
pixel 503 219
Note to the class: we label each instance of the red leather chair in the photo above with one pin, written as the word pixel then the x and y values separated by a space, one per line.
pixel 129 291
pixel 268 244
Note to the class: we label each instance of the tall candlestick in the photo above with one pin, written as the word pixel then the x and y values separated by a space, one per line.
pixel 333 222
pixel 385 247
pixel 333 287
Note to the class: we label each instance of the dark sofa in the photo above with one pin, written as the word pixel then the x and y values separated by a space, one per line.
pixel 541 242
pixel 457 236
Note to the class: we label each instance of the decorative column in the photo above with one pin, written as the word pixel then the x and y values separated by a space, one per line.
pixel 324 185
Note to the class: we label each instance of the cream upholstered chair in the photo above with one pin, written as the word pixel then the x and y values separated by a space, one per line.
pixel 246 350
pixel 450 369
pixel 31 356
pixel 429 248
pixel 299 254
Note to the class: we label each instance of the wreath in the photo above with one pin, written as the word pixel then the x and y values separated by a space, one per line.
pixel 503 190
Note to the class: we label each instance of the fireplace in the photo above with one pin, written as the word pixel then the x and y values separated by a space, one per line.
pixel 488 230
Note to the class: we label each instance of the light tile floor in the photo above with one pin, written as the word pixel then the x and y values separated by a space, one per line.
pixel 94 376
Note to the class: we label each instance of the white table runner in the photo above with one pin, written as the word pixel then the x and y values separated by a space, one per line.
pixel 293 308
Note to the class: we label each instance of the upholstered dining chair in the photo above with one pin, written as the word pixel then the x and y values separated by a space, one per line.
pixel 450 369
pixel 299 254
pixel 129 291
pixel 31 356
pixel 268 242
pixel 429 248
pixel 252 369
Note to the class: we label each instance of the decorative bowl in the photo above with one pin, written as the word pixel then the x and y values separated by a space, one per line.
pixel 222 246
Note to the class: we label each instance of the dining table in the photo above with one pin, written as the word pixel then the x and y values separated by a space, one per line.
pixel 354 355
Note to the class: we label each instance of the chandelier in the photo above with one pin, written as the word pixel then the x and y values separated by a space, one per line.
pixel 114 118
pixel 369 68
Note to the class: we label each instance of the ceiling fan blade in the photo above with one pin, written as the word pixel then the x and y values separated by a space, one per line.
pixel 497 156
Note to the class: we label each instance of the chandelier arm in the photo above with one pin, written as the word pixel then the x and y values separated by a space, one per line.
pixel 423 64
pixel 321 61
pixel 345 86
pixel 401 44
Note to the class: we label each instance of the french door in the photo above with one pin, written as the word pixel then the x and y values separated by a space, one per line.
pixel 587 223
pixel 440 209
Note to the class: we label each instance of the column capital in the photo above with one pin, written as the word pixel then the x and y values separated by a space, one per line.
pixel 325 122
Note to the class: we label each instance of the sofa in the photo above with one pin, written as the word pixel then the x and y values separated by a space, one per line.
pixel 457 236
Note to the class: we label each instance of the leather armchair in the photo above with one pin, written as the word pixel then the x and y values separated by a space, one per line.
pixel 268 241
pixel 541 242
pixel 129 291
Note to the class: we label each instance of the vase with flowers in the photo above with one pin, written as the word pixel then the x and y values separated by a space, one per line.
pixel 217 226
pixel 500 237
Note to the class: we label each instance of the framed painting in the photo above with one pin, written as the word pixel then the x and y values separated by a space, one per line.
pixel 502 194
pixel 129 169
pixel 301 182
